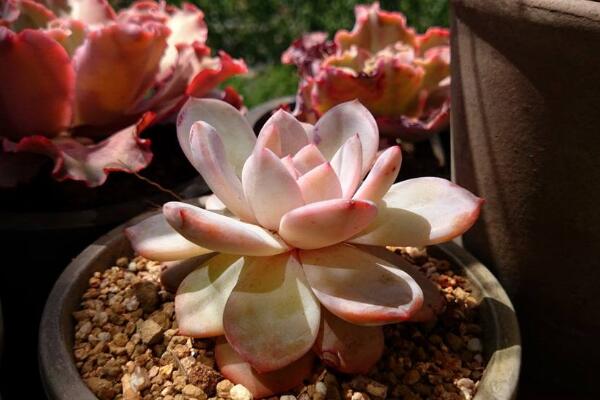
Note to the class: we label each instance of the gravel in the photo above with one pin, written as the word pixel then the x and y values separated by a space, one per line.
pixel 127 345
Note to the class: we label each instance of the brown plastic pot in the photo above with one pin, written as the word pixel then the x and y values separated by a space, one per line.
pixel 526 137
pixel 62 380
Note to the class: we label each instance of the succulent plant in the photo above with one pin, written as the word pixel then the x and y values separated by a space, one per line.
pixel 80 81
pixel 287 248
pixel 400 76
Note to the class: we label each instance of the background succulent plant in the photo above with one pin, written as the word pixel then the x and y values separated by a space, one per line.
pixel 293 216
pixel 80 82
pixel 402 77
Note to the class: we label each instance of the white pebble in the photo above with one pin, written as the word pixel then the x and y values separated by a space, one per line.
pixel 239 392
pixel 475 345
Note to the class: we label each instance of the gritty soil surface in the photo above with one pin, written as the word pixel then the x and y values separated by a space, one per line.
pixel 127 345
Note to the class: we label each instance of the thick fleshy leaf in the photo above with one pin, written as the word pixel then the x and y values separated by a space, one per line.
pixel 215 71
pixel 308 158
pixel 233 129
pixel 349 348
pixel 375 29
pixel 24 14
pixel 319 184
pixel 360 288
pixel 208 155
pixel 121 151
pixel 433 301
pixel 234 368
pixel 154 238
pixel 420 212
pixel 433 37
pixel 36 75
pixel 326 222
pixel 213 203
pixel 341 123
pixel 288 163
pixel 382 175
pixel 220 233
pixel 284 134
pixel 175 271
pixel 390 89
pixel 347 164
pixel 308 51
pixel 91 12
pixel 272 316
pixel 187 26
pixel 116 66
pixel 69 33
pixel 270 189
pixel 202 295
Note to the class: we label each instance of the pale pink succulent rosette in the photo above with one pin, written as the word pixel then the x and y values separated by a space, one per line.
pixel 402 77
pixel 76 76
pixel 298 219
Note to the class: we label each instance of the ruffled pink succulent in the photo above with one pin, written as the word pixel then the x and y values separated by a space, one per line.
pixel 296 228
pixel 76 76
pixel 402 77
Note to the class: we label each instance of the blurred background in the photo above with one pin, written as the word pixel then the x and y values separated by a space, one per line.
pixel 261 30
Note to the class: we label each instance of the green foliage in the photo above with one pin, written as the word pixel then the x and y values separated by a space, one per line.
pixel 265 83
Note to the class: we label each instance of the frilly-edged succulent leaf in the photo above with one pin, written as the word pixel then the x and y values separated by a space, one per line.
pixel 420 212
pixel 374 30
pixel 340 124
pixel 433 301
pixel 433 37
pixel 382 175
pixel 208 156
pixel 308 51
pixel 155 239
pixel 234 368
pixel 347 164
pixel 202 295
pixel 360 288
pixel 272 316
pixel 91 12
pixel 390 89
pixel 36 75
pixel 283 134
pixel 69 33
pixel 215 71
pixel 233 129
pixel 320 184
pixel 115 67
pixel 91 163
pixel 308 158
pixel 24 14
pixel 187 27
pixel 326 223
pixel 349 348
pixel 221 233
pixel 270 189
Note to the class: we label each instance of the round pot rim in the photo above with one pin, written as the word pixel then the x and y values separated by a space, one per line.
pixel 581 13
pixel 62 381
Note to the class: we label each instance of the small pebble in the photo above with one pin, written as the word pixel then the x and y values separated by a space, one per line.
pixel 239 392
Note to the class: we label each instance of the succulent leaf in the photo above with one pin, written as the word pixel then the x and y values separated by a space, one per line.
pixel 221 233
pixel 308 158
pixel 155 239
pixel 272 316
pixel 349 348
pixel 202 295
pixel 382 176
pixel 359 287
pixel 234 368
pixel 347 164
pixel 319 184
pixel 420 212
pixel 283 134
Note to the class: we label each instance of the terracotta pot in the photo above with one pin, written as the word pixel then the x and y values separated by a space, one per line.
pixel 62 381
pixel 38 245
pixel 526 137
pixel 425 158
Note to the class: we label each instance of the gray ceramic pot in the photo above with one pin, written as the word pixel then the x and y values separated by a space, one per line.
pixel 526 137
pixel 62 381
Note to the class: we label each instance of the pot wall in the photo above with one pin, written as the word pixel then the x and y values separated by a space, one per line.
pixel 526 137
